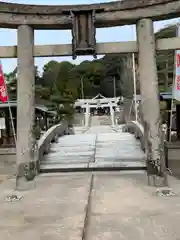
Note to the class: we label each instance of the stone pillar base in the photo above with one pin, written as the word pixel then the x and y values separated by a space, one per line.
pixel 25 178
pixel 23 185
pixel 157 181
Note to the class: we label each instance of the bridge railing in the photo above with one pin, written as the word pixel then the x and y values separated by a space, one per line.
pixel 87 117
pixel 137 129
pixel 112 116
pixel 134 122
pixel 47 138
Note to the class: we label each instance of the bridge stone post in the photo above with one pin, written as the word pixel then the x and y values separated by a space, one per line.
pixel 112 114
pixel 25 103
pixel 149 86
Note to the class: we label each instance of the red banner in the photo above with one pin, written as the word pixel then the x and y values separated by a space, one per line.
pixel 178 82
pixel 178 60
pixel 3 92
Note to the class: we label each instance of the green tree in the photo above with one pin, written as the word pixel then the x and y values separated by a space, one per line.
pixel 61 92
pixel 11 83
pixel 87 77
pixel 62 76
pixel 62 106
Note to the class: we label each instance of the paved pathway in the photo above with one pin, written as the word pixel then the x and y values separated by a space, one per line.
pixel 97 147
pixel 120 206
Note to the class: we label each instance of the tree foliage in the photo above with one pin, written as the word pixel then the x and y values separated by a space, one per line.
pixel 88 78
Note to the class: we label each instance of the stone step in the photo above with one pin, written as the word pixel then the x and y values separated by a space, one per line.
pixel 63 166
pixel 122 164
pixel 67 151
pixel 84 166
pixel 122 158
pixel 120 155
pixel 65 161
pixel 119 144
pixel 74 148
pixel 119 150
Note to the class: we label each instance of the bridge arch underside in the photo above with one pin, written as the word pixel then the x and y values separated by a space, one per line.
pixel 26 18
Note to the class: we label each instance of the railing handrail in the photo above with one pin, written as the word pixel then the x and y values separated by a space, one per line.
pixel 47 138
pixel 139 125
pixel 138 129
pixel 46 134
pixel 51 132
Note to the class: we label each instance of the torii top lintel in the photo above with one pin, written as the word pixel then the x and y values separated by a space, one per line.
pixel 114 13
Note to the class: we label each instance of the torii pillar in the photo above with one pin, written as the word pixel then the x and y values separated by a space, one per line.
pixel 25 102
pixel 149 89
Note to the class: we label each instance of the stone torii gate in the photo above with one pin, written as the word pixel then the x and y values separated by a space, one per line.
pixel 83 21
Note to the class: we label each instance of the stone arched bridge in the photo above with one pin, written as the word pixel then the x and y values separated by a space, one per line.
pixel 92 148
